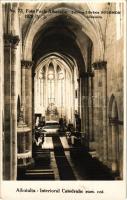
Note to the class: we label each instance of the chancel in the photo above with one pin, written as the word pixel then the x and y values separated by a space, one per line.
pixel 54 86
pixel 61 89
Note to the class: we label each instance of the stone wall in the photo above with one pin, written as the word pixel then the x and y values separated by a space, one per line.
pixel 113 54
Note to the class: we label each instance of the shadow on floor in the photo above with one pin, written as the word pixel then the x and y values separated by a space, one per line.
pixel 89 168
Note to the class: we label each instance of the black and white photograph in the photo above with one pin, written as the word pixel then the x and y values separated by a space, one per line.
pixel 62 89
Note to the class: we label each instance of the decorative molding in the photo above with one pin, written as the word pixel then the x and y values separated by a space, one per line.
pixel 24 155
pixel 10 40
pixel 99 65
pixel 26 64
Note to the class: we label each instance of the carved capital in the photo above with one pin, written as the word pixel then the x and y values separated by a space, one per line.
pixel 26 64
pixel 10 40
pixel 99 65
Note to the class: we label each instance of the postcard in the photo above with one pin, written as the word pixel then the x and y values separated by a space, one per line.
pixel 63 100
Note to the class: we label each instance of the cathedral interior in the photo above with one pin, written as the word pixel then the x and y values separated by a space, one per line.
pixel 61 89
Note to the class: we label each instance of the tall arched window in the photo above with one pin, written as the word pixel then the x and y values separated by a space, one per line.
pixel 54 89
pixel 61 90
pixel 51 84
pixel 41 78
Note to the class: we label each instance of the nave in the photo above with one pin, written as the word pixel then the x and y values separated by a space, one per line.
pixel 58 160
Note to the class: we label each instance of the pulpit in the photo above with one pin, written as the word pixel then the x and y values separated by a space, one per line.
pixel 24 138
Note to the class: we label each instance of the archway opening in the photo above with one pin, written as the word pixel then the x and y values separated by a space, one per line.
pixel 59 64
pixel 55 82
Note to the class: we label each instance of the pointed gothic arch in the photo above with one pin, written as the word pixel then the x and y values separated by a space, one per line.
pixel 91 31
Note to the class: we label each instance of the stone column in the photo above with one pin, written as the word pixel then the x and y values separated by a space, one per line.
pixel 82 96
pixel 88 101
pixel 86 87
pixel 100 108
pixel 33 100
pixel 84 78
pixel 27 91
pixel 73 100
pixel 65 102
pixel 44 100
pixel 10 107
pixel 92 109
pixel 105 133
pixel 41 95
pixel 78 80
pixel 27 97
pixel 23 89
pixel 90 105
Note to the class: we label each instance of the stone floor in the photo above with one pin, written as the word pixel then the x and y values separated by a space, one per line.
pixel 68 162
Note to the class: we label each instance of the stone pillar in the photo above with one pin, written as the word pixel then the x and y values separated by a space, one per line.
pixel 90 105
pixel 44 101
pixel 82 97
pixel 78 80
pixel 100 108
pixel 33 100
pixel 73 100
pixel 105 132
pixel 84 94
pixel 23 89
pixel 27 91
pixel 84 78
pixel 86 87
pixel 10 107
pixel 65 92
pixel 27 97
